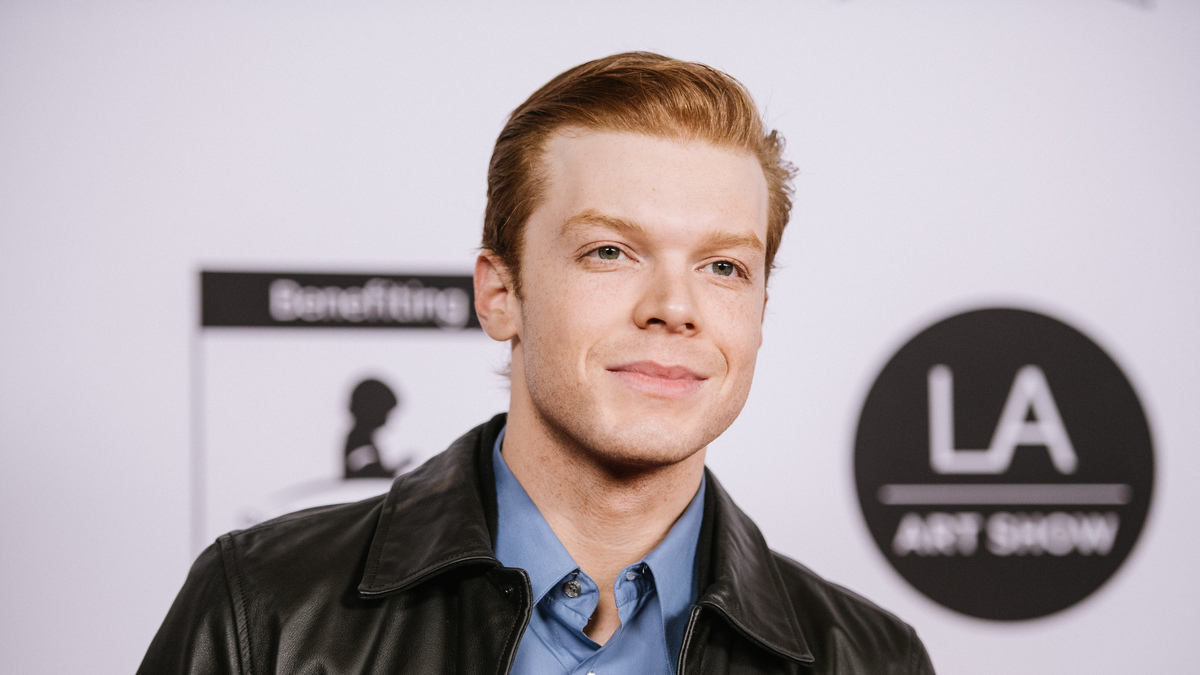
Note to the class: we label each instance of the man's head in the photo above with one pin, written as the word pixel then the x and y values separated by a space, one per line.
pixel 635 92
pixel 629 266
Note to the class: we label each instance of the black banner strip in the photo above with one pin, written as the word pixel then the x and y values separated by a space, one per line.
pixel 307 300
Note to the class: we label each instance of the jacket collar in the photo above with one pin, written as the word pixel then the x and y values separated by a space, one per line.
pixel 433 519
pixel 744 585
pixel 441 516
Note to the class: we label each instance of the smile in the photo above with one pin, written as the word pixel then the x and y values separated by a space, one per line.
pixel 658 380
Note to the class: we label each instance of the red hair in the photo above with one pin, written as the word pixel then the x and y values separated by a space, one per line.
pixel 636 92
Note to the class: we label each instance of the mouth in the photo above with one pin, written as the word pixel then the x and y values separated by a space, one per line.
pixel 659 380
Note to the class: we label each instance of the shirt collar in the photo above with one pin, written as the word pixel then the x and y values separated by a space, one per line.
pixel 524 540
pixel 673 562
pixel 523 537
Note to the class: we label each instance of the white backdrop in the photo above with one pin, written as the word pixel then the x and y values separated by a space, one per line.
pixel 1040 154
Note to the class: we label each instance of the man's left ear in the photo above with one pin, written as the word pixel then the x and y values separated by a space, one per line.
pixel 496 302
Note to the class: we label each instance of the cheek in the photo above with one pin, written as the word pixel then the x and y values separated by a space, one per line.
pixel 739 331
pixel 583 301
pixel 562 320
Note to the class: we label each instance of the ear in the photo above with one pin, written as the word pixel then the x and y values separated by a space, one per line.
pixel 496 302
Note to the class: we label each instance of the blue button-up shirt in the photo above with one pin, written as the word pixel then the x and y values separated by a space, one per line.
pixel 654 595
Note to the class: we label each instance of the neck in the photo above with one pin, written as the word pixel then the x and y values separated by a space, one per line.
pixel 607 517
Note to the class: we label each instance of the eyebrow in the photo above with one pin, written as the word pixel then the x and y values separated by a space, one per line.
pixel 593 217
pixel 732 240
pixel 629 228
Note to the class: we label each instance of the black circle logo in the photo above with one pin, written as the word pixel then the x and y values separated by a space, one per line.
pixel 1003 464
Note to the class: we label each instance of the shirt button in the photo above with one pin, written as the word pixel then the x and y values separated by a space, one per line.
pixel 572 588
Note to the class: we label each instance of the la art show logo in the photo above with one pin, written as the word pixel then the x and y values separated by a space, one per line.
pixel 1004 464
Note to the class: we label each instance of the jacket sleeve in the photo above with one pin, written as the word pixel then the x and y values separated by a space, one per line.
pixel 200 635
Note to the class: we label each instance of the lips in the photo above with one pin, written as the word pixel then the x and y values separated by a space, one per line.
pixel 659 380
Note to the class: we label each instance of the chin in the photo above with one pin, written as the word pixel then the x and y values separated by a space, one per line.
pixel 624 456
pixel 644 444
pixel 628 432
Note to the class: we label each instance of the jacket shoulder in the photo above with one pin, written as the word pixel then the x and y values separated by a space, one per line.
pixel 308 549
pixel 320 520
pixel 200 633
pixel 847 630
pixel 212 625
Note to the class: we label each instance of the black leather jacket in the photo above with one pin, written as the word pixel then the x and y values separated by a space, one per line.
pixel 407 583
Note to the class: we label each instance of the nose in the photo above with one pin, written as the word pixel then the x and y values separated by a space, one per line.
pixel 668 302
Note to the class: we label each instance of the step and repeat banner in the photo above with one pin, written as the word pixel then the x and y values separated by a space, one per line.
pixel 254 225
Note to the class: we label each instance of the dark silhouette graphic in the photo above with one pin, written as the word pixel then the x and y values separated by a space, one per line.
pixel 370 403
pixel 364 471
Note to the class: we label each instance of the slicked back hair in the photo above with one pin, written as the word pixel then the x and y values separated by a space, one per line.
pixel 636 92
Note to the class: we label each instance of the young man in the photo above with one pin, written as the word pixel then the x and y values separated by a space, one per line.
pixel 635 204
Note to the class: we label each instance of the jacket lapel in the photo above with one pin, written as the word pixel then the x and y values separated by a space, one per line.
pixel 433 519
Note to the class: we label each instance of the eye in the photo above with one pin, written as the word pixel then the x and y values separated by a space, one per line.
pixel 606 253
pixel 722 268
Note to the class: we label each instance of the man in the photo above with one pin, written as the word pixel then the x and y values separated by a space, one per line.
pixel 635 204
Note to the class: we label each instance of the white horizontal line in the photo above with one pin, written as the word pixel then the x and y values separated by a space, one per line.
pixel 1011 493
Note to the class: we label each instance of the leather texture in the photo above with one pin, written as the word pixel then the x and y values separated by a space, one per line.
pixel 407 583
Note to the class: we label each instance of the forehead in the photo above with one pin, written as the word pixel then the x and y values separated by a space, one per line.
pixel 656 182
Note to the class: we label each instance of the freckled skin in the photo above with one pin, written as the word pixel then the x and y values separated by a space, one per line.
pixel 659 301
pixel 635 339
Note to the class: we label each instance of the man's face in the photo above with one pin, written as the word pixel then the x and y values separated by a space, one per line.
pixel 642 296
